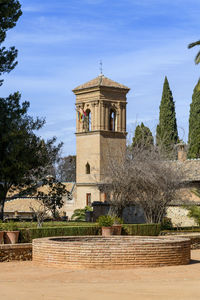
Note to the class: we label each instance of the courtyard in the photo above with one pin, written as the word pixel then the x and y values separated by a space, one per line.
pixel 24 280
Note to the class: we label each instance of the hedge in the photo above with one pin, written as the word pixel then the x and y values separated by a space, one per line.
pixel 180 230
pixel 141 229
pixel 26 235
pixel 25 224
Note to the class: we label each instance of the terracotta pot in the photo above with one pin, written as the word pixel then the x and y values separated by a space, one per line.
pixel 11 237
pixel 106 231
pixel 117 229
pixel 1 237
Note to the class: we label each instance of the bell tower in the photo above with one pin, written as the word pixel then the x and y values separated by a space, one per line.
pixel 100 128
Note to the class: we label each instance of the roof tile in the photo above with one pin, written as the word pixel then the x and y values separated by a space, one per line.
pixel 99 81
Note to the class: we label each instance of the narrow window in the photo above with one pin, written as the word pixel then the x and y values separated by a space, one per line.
pixel 87 120
pixel 87 168
pixel 105 197
pixel 88 199
pixel 112 120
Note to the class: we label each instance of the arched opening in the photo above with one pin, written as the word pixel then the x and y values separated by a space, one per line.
pixel 87 120
pixel 112 120
pixel 87 168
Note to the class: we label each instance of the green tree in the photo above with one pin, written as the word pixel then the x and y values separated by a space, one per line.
pixel 10 11
pixel 166 132
pixel 143 137
pixel 52 197
pixel 24 157
pixel 197 58
pixel 194 124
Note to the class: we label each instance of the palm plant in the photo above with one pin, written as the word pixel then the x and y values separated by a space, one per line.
pixel 197 58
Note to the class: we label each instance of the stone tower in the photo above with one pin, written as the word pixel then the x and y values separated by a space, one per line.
pixel 100 128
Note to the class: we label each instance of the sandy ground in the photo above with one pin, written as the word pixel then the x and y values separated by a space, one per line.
pixel 24 280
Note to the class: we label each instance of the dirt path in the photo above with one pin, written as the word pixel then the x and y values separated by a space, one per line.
pixel 25 281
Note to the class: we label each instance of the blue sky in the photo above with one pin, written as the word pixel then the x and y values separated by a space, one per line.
pixel 61 42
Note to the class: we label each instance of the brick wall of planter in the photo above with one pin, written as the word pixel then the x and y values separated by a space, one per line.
pixel 112 252
pixel 15 252
pixel 193 236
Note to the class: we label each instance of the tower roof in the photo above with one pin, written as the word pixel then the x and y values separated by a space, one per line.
pixel 100 81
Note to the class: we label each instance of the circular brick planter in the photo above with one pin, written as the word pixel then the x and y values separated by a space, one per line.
pixel 111 252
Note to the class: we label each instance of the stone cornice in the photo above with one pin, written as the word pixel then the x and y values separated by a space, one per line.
pixel 104 133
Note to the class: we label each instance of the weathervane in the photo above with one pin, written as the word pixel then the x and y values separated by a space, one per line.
pixel 101 67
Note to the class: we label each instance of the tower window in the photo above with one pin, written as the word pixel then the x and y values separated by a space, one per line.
pixel 112 120
pixel 87 168
pixel 87 120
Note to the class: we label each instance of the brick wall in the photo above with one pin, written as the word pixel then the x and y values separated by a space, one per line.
pixel 193 236
pixel 112 252
pixel 15 252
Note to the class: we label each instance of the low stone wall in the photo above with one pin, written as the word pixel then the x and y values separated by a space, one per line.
pixel 15 252
pixel 194 238
pixel 111 252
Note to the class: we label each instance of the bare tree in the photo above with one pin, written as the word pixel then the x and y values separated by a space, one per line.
pixel 66 169
pixel 142 178
pixel 40 211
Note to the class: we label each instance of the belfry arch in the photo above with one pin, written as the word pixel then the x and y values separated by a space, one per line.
pixel 112 120
pixel 87 120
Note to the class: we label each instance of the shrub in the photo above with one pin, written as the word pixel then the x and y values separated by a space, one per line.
pixel 27 235
pixel 166 223
pixel 141 229
pixel 79 214
pixel 105 221
pixel 10 226
pixel 194 212
pixel 118 220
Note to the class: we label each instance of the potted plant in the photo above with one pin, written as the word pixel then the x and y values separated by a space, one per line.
pixel 11 233
pixel 117 226
pixel 1 233
pixel 106 223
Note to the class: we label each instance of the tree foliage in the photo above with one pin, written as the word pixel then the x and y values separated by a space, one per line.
pixel 143 137
pixel 197 58
pixel 10 11
pixel 49 198
pixel 52 197
pixel 166 132
pixel 194 124
pixel 24 157
pixel 194 213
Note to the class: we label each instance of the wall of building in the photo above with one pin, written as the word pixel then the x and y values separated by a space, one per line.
pixel 112 148
pixel 88 151
pixel 179 216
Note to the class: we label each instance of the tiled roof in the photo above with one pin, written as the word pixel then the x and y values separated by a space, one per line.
pixel 101 80
pixel 24 204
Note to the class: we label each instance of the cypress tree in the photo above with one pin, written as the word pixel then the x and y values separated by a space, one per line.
pixel 166 131
pixel 194 124
pixel 143 137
